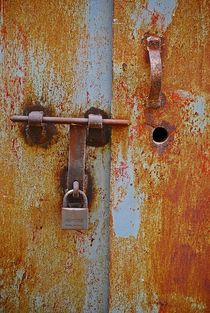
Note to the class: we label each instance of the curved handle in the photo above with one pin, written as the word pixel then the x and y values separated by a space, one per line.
pixel 156 97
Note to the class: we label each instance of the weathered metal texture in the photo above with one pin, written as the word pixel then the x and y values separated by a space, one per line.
pixel 159 257
pixel 55 56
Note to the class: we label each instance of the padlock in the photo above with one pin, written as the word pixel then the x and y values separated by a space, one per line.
pixel 74 218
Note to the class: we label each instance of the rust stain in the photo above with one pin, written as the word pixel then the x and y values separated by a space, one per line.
pixel 46 57
pixel 121 171
pixel 162 265
pixel 39 136
pixel 39 45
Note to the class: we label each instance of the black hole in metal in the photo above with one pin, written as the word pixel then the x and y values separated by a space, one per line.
pixel 159 135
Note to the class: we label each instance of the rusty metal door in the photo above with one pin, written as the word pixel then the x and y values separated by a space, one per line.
pixel 159 252
pixel 55 56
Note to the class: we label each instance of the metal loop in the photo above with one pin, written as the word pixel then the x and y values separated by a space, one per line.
pixel 76 189
pixel 85 200
pixel 35 117
pixel 95 121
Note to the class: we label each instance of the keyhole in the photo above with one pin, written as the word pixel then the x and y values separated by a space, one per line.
pixel 160 135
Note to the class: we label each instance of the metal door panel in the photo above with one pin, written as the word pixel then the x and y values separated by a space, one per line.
pixel 56 54
pixel 160 192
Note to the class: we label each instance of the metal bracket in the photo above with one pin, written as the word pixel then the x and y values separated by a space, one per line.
pixel 74 216
pixel 76 158
pixel 156 98
pixel 77 140
pixel 35 117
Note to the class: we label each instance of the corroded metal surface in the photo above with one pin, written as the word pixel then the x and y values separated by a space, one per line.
pixel 55 56
pixel 160 191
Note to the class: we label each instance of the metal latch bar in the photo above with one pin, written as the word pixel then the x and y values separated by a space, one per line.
pixel 68 120
pixel 73 217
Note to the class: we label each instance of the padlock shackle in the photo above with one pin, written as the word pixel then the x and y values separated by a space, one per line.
pixel 69 192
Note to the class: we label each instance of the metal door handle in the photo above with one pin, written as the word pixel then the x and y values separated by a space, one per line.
pixel 156 98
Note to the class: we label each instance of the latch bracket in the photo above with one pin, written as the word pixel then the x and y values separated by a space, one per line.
pixel 73 217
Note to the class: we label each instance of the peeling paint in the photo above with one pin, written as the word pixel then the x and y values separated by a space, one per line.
pixel 93 80
pixel 38 302
pixel 38 65
pixel 127 212
pixel 59 52
pixel 197 111
pixel 163 267
pixel 99 76
pixel 53 53
pixel 199 120
pixel 55 90
pixel 1 54
pixel 153 12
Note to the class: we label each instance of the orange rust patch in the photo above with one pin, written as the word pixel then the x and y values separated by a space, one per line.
pixel 165 267
pixel 40 41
